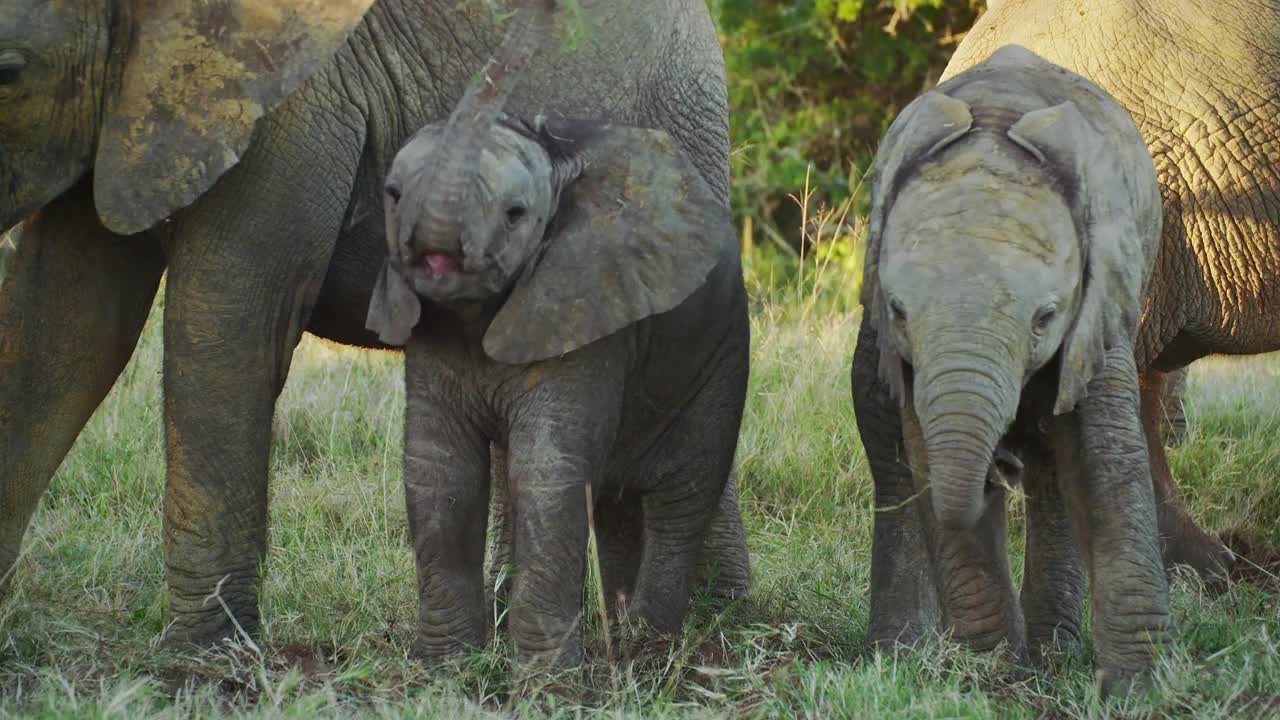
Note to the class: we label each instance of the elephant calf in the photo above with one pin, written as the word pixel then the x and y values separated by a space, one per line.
pixel 571 292
pixel 1014 221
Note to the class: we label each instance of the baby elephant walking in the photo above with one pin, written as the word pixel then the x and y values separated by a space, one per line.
pixel 578 301
pixel 1014 221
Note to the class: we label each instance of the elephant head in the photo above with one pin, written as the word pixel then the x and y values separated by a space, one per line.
pixel 578 228
pixel 157 97
pixel 998 248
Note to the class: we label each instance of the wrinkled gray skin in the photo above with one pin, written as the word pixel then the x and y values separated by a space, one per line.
pixel 1210 117
pixel 266 228
pixel 1014 220
pixel 507 351
pixel 574 297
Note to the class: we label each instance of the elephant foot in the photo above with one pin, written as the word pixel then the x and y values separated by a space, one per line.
pixel 196 631
pixel 433 650
pixel 1208 556
pixel 228 611
pixel 1120 683
pixel 1045 645
pixel 726 580
pixel 724 569
pixel 893 631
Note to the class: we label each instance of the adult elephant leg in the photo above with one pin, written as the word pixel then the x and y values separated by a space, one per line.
pixel 73 300
pixel 1173 424
pixel 1053 582
pixel 1183 542
pixel 725 566
pixel 245 265
pixel 904 596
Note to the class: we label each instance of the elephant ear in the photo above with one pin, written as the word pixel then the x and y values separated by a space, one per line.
pixel 197 76
pixel 928 124
pixel 394 309
pixel 636 232
pixel 1114 196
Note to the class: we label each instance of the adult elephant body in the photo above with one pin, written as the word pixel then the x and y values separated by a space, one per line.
pixel 241 147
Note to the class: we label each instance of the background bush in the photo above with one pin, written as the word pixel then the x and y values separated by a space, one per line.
pixel 812 85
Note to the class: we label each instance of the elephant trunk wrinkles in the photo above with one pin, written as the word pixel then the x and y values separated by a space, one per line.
pixel 965 402
pixel 441 224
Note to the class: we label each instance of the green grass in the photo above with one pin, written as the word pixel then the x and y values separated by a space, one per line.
pixel 78 633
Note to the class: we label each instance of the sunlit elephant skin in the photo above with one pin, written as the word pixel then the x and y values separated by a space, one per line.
pixel 1014 220
pixel 241 147
pixel 1210 117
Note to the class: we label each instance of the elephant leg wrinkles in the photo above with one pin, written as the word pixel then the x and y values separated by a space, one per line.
pixel 73 301
pixel 1054 579
pixel 446 485
pixel 1104 476
pixel 245 265
pixel 979 607
pixel 904 596
pixel 1182 541
pixel 693 464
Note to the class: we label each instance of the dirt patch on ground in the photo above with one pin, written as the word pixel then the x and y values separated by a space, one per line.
pixel 1256 563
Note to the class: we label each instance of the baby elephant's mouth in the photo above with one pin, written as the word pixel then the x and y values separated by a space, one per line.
pixel 437 265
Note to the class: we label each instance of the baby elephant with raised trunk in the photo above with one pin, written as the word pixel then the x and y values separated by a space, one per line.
pixel 1014 221
pixel 578 301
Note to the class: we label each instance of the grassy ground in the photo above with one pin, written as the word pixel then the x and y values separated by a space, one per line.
pixel 78 633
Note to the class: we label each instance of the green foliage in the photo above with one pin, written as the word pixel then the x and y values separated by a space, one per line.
pixel 814 83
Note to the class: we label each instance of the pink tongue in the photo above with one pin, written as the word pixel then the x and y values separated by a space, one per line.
pixel 442 264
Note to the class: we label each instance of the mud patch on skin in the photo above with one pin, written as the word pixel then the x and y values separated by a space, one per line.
pixel 1256 563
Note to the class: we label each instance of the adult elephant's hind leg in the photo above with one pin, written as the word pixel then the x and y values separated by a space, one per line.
pixel 73 300
pixel 245 266
pixel 1182 541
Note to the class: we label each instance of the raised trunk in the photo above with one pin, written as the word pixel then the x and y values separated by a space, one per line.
pixel 442 213
pixel 965 401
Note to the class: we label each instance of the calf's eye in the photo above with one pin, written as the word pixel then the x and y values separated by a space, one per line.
pixel 514 214
pixel 1043 319
pixel 11 64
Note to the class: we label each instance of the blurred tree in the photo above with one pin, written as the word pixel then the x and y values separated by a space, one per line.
pixel 812 86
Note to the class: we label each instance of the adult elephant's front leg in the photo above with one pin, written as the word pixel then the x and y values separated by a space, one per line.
pixel 1105 475
pixel 245 265
pixel 904 596
pixel 73 300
